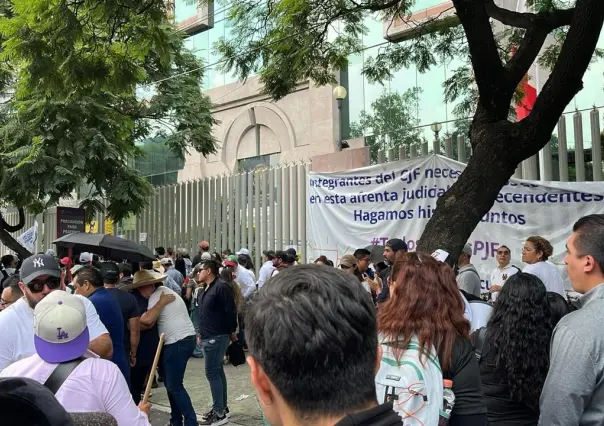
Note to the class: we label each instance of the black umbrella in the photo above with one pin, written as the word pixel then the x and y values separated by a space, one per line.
pixel 107 246
pixel 377 253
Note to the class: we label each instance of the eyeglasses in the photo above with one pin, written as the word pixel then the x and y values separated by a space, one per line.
pixel 504 253
pixel 37 286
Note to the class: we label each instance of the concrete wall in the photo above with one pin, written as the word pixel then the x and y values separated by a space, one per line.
pixel 303 124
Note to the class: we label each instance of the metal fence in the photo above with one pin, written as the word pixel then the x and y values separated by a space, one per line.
pixel 266 208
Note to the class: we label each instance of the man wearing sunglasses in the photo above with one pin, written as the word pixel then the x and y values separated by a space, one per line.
pixel 40 276
pixel 502 272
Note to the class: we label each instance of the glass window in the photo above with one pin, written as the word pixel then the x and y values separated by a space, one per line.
pixel 184 9
pixel 355 88
pixel 158 161
pixel 215 76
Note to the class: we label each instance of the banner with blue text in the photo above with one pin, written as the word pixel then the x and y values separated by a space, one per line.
pixel 357 208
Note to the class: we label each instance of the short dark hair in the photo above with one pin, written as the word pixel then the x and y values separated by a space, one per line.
pixel 110 272
pixel 361 253
pixel 13 283
pixel 7 260
pixel 160 250
pixel 90 274
pixel 212 266
pixel 125 269
pixel 590 237
pixel 505 247
pixel 313 331
pixel 148 266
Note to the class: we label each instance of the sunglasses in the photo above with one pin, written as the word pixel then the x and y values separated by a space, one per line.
pixel 505 253
pixel 345 267
pixel 37 286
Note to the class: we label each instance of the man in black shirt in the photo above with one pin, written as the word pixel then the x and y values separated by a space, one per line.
pixel 217 324
pixel 392 248
pixel 204 247
pixel 302 328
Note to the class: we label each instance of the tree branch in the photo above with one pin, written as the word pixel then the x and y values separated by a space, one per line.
pixel 547 20
pixel 566 78
pixel 488 68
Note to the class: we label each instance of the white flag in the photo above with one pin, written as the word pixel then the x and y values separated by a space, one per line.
pixel 28 238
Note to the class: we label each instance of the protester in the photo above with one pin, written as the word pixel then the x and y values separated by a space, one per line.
pixel 168 264
pixel 392 247
pixel 535 253
pixel 126 272
pixel 468 278
pixel 11 292
pixel 424 318
pixel 302 329
pixel 89 283
pixel 502 272
pixel 520 325
pixel 40 276
pixel 92 385
pixel 204 247
pixel 245 277
pixel 371 282
pixel 167 280
pixel 169 311
pixel 559 308
pixel 282 260
pixel 128 307
pixel 321 260
pixel 267 268
pixel 217 324
pixel 573 393
pixel 147 346
pixel 9 265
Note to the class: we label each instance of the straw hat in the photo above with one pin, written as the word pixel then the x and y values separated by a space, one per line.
pixel 143 278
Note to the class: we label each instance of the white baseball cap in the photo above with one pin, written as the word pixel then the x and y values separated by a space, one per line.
pixel 60 329
pixel 166 261
pixel 85 257
pixel 206 256
pixel 243 251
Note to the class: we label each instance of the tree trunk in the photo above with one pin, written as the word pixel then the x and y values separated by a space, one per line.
pixel 460 209
pixel 8 240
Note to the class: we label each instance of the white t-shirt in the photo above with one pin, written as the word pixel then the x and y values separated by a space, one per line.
pixel 96 385
pixel 550 276
pixel 17 325
pixel 246 280
pixel 174 320
pixel 500 275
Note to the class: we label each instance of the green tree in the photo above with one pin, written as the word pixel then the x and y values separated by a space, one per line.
pixel 286 41
pixel 81 74
pixel 391 123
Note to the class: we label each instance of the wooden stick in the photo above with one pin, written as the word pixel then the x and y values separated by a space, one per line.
pixel 152 373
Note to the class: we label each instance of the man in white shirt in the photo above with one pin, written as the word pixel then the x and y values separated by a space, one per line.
pixel 267 268
pixel 502 272
pixel 172 317
pixel 40 276
pixel 61 336
pixel 245 278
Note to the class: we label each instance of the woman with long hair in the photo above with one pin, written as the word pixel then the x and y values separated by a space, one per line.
pixel 535 253
pixel 426 307
pixel 514 351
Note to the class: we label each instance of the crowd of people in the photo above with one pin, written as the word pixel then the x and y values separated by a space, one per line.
pixel 364 343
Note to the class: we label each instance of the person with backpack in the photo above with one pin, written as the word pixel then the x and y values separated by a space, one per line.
pixel 81 383
pixel 513 352
pixel 425 340
pixel 468 278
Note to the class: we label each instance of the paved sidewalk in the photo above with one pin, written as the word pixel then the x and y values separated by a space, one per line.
pixel 245 411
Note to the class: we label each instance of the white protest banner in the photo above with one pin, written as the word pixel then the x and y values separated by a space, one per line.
pixel 357 208
pixel 28 238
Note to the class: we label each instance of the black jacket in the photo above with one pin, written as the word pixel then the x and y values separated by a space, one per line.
pixel 216 310
pixel 382 415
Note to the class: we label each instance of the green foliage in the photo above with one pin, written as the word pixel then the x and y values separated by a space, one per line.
pixel 391 123
pixel 79 72
pixel 287 41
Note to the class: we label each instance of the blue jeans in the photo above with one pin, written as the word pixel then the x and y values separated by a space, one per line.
pixel 175 361
pixel 214 350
